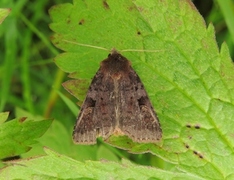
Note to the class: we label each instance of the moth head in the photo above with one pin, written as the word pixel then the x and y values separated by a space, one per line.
pixel 115 65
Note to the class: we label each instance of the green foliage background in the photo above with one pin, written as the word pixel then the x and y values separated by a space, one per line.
pixel 30 83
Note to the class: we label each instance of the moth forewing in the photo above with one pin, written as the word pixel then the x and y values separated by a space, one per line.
pixel 117 102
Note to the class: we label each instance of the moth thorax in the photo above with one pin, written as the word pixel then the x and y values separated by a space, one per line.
pixel 117 75
pixel 116 66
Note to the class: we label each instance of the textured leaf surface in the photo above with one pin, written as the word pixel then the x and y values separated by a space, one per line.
pixel 58 138
pixel 3 117
pixel 189 80
pixel 57 166
pixel 17 135
pixel 3 14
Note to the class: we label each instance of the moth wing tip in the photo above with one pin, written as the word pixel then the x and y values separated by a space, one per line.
pixel 84 139
pixel 84 142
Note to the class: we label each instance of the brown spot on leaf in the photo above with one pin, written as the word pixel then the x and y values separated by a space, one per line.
pixel 55 40
pixel 105 4
pixel 198 154
pixel 188 126
pixel 22 119
pixel 81 22
pixel 197 127
pixel 131 8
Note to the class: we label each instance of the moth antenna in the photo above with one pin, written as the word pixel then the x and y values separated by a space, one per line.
pixel 86 45
pixel 113 49
pixel 140 50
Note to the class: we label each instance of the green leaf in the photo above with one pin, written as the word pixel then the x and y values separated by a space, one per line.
pixel 228 13
pixel 3 117
pixel 3 14
pixel 57 166
pixel 71 86
pixel 68 102
pixel 189 80
pixel 17 135
pixel 59 139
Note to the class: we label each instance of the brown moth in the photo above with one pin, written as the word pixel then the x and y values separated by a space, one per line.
pixel 116 103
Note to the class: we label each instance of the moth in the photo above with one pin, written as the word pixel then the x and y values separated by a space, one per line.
pixel 116 103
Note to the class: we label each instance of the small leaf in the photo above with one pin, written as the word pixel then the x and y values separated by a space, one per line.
pixel 3 14
pixel 17 135
pixel 3 117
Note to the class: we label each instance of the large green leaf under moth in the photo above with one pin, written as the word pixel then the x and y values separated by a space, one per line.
pixel 189 80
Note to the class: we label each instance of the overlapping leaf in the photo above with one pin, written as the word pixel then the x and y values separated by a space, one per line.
pixel 17 135
pixel 57 166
